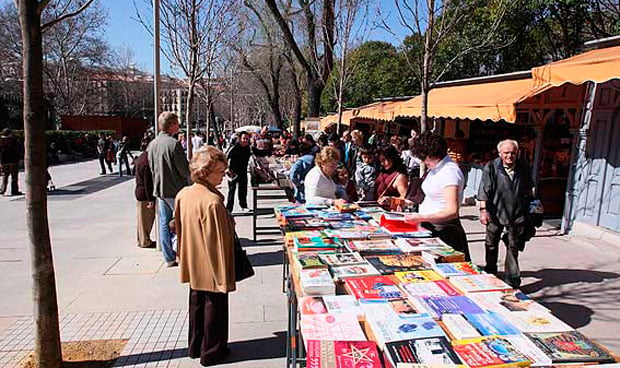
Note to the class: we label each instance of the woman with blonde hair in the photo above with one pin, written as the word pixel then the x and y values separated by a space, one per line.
pixel 205 234
pixel 318 186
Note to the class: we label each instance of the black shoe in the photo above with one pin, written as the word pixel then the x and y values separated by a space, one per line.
pixel 491 270
pixel 514 282
pixel 17 194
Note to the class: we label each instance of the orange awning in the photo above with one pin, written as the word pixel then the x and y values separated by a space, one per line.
pixel 597 66
pixel 382 110
pixel 333 119
pixel 485 101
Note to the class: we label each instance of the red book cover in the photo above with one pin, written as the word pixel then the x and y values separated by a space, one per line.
pixel 395 222
pixel 342 354
pixel 373 287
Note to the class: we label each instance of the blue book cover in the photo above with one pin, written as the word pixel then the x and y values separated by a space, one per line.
pixel 492 323
pixel 438 305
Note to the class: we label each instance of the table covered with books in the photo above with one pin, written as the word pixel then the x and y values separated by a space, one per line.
pixel 367 289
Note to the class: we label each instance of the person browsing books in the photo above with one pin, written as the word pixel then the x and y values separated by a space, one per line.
pixel 319 188
pixel 443 191
pixel 392 180
pixel 205 233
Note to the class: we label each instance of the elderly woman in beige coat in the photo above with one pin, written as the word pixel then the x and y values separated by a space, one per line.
pixel 205 234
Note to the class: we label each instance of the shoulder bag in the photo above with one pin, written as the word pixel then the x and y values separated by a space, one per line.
pixel 243 266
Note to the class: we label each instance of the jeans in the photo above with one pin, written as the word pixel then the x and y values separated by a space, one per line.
pixel 242 181
pixel 123 159
pixel 166 208
pixel 491 245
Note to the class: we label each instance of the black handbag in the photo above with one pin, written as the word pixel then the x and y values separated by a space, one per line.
pixel 243 266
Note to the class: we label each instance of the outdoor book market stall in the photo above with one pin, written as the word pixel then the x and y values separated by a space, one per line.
pixel 367 289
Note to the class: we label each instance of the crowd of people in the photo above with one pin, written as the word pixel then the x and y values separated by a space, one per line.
pixel 197 230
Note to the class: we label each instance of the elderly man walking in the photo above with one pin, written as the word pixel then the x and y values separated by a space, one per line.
pixel 504 194
pixel 170 170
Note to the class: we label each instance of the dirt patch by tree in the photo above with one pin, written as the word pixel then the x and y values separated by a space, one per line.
pixel 86 354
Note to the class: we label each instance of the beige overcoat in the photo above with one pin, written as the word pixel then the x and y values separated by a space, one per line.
pixel 205 238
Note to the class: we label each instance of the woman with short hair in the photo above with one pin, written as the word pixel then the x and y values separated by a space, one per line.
pixel 318 186
pixel 443 190
pixel 205 235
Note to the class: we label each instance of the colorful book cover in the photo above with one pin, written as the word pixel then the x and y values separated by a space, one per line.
pixel 359 233
pixel 311 305
pixel 308 260
pixel 295 212
pixel 409 277
pixel 410 245
pixel 571 346
pixel 328 215
pixel 491 323
pixel 458 328
pixel 316 281
pixel 433 352
pixel 443 255
pixel 384 308
pixel 439 305
pixel 337 304
pixel 374 246
pixel 342 354
pixel 347 224
pixel 403 328
pixel 363 215
pixel 457 269
pixel 409 234
pixel 290 236
pixel 507 301
pixel 536 356
pixel 355 270
pixel 341 259
pixel 331 327
pixel 431 288
pixel 536 322
pixel 388 264
pixel 373 287
pixel 303 243
pixel 478 283
pixel 346 207
pixel 306 224
pixel 492 351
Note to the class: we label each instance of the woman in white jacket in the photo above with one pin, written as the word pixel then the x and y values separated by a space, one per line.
pixel 320 189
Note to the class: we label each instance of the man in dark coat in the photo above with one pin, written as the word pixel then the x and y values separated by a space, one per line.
pixel 504 194
pixel 238 158
pixel 10 154
pixel 145 199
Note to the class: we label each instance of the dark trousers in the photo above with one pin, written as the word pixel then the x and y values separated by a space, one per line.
pixel 208 326
pixel 102 163
pixel 123 159
pixel 491 246
pixel 241 181
pixel 451 233
pixel 13 171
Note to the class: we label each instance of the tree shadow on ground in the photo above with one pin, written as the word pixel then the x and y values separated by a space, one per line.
pixel 552 277
pixel 88 187
pixel 246 243
pixel 266 259
pixel 240 351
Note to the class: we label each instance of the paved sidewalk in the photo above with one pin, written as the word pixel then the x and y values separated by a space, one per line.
pixel 109 288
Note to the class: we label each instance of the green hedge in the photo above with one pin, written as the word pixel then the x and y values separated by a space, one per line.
pixel 68 141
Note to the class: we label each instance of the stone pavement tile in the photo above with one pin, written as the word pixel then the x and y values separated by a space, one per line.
pixel 135 265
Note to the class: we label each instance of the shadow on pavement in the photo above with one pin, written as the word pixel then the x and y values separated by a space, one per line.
pixel 550 277
pixel 246 243
pixel 257 349
pixel 266 259
pixel 86 187
pixel 574 315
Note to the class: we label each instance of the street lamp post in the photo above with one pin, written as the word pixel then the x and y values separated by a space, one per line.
pixel 156 56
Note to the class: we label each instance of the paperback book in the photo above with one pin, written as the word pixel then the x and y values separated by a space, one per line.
pixel 458 328
pixel 347 224
pixel 343 304
pixel 507 301
pixel 410 245
pixel 388 264
pixel 390 308
pixel 491 351
pixel 291 212
pixel 457 269
pixel 431 288
pixel 290 236
pixel 328 215
pixel 306 260
pixel 433 351
pixel 304 244
pixel 312 305
pixel 537 322
pixel 306 224
pixel 440 305
pixel 374 246
pixel 331 327
pixel 342 354
pixel 358 233
pixel 341 259
pixel 355 270
pixel 400 328
pixel 316 281
pixel 570 346
pixel 346 207
pixel 478 283
pixel 409 277
pixel 491 323
pixel 373 287
pixel 536 356
pixel 443 255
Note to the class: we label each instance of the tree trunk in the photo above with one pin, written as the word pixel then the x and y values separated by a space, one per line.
pixel 47 335
pixel 315 87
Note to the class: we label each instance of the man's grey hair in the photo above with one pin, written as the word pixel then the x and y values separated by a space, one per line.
pixel 507 141
pixel 166 119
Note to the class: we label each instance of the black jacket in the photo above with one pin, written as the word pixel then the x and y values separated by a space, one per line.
pixel 507 200
pixel 238 158
pixel 10 151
